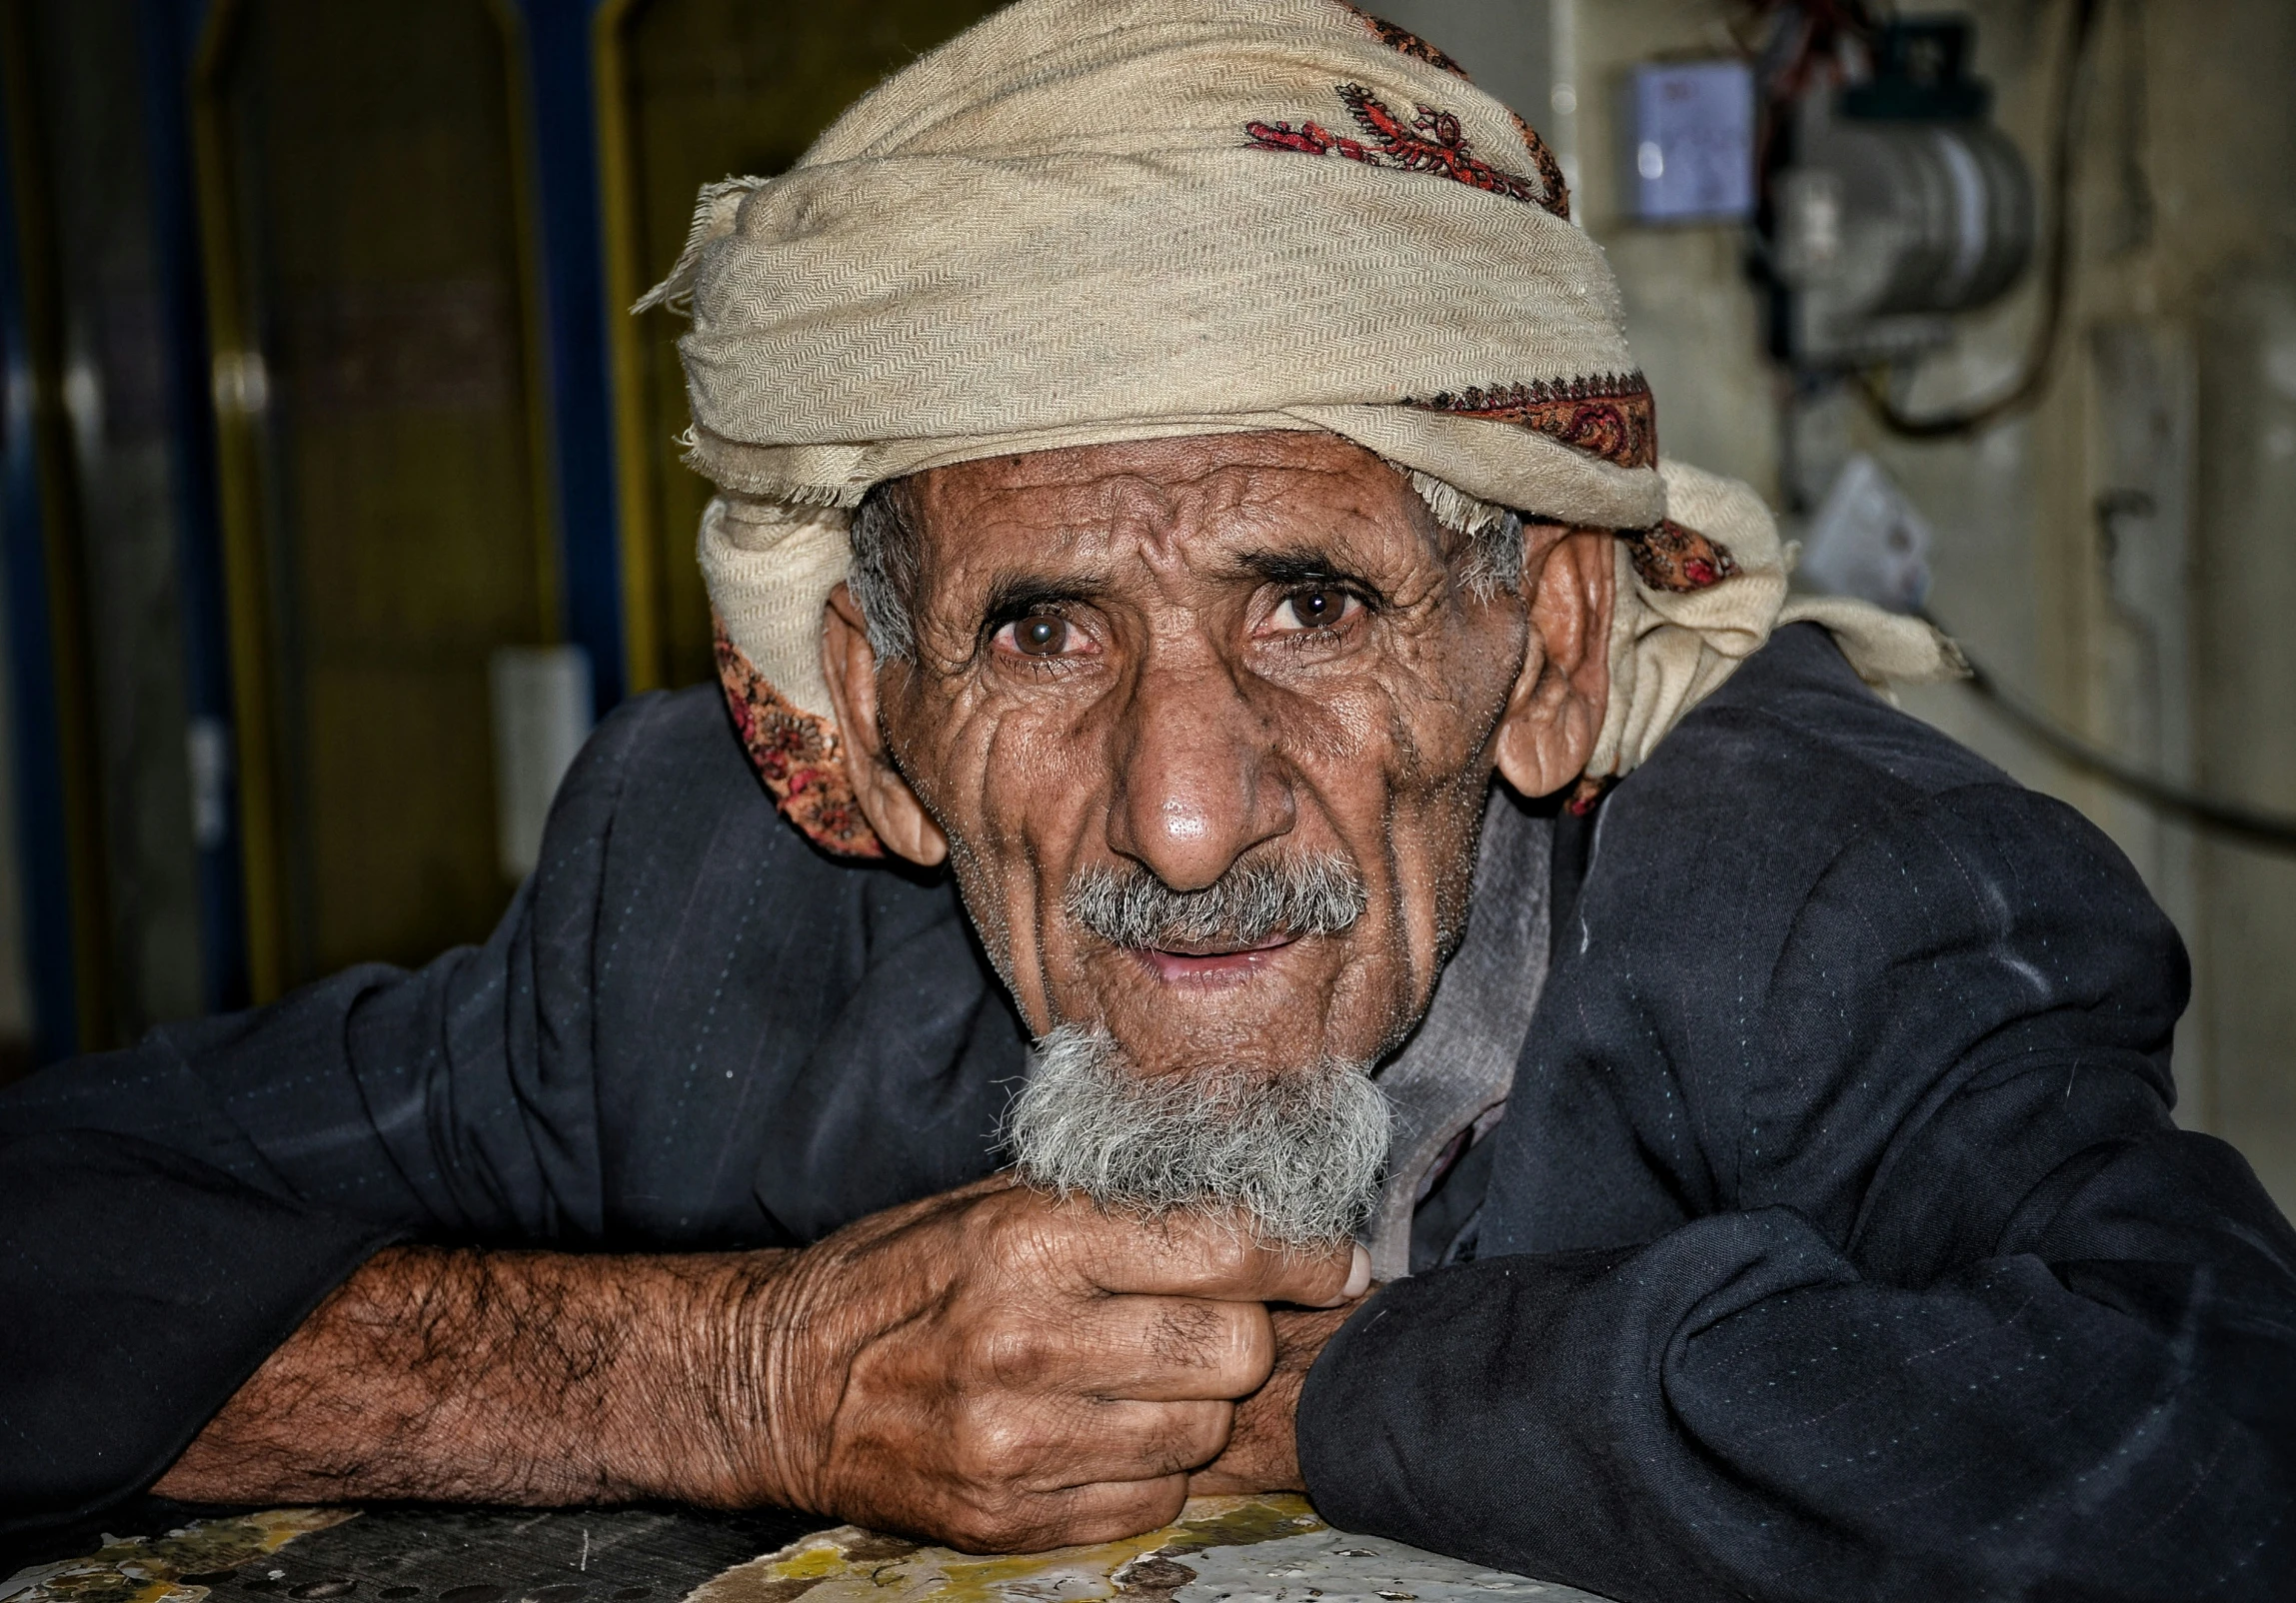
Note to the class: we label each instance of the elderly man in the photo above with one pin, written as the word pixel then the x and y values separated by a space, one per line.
pixel 1246 777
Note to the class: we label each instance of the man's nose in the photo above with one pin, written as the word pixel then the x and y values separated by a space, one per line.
pixel 1199 782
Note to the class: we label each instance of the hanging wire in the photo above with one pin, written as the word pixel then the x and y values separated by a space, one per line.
pixel 2274 832
pixel 1795 47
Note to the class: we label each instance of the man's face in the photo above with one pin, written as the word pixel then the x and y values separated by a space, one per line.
pixel 1194 660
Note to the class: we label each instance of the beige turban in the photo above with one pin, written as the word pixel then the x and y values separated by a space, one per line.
pixel 1086 221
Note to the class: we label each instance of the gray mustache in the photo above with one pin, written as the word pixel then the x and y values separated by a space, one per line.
pixel 1252 901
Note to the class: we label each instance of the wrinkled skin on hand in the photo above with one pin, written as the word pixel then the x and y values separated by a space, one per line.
pixel 1008 1372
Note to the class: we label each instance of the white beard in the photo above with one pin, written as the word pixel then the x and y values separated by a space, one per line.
pixel 1299 1155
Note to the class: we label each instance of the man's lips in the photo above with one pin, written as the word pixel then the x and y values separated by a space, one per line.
pixel 1210 962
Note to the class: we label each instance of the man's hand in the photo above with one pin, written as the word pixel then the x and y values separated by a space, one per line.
pixel 990 1367
pixel 1008 1372
pixel 1263 1452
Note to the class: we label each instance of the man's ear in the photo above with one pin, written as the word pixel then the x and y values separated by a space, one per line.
pixel 1559 702
pixel 849 663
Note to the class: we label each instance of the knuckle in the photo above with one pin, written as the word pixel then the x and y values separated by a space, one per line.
pixel 1154 1503
pixel 1229 1258
pixel 1248 1352
pixel 1193 1435
pixel 1036 1236
pixel 1005 1217
pixel 995 1449
pixel 992 1527
pixel 1009 1351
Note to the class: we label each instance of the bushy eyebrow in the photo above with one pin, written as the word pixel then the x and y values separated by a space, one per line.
pixel 1016 594
pixel 1301 564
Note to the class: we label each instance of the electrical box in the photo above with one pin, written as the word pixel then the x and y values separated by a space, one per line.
pixel 1689 128
pixel 1867 540
pixel 1903 205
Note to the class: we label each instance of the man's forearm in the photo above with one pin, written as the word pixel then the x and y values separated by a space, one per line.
pixel 515 1377
pixel 991 1367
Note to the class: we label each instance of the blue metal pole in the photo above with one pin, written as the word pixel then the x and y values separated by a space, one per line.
pixel 559 68
pixel 42 845
pixel 169 31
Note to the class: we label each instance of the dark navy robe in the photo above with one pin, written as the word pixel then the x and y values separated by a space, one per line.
pixel 1836 1242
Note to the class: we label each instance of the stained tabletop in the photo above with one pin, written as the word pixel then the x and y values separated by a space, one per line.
pixel 1270 1549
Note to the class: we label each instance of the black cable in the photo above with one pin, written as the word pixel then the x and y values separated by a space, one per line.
pixel 2274 832
pixel 2057 280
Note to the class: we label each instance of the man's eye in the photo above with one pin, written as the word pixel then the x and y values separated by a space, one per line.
pixel 1040 634
pixel 1319 607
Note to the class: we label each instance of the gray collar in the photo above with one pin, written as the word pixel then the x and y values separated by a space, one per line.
pixel 1454 1074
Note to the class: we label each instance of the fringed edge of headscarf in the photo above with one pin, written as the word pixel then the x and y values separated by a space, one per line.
pixel 1452 506
pixel 715 464
pixel 714 219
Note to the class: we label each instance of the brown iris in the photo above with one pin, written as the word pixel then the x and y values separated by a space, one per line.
pixel 1041 635
pixel 1313 606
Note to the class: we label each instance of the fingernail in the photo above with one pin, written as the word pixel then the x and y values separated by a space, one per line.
pixel 1358 1275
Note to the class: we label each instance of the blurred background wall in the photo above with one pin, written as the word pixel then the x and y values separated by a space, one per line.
pixel 336 495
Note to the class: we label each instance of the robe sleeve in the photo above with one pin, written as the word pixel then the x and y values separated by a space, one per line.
pixel 1966 1315
pixel 170 1213
pixel 691 1031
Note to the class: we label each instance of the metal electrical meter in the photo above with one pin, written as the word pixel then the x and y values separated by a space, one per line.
pixel 1901 205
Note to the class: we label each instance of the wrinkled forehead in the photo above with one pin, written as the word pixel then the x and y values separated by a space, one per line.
pixel 1199 499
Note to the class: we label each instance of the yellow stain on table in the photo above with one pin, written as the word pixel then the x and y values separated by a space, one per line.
pixel 142 1569
pixel 851 1565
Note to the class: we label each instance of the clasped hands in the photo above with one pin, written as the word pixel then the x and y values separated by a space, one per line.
pixel 1008 1372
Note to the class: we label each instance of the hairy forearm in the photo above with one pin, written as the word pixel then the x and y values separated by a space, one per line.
pixel 991 1367
pixel 515 1377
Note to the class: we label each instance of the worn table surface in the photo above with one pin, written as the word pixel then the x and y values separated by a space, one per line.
pixel 410 1555
pixel 1222 1550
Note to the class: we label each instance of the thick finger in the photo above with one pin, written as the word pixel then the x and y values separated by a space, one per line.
pixel 1132 1441
pixel 1150 1349
pixel 1206 1255
pixel 1075 1517
pixel 1000 1448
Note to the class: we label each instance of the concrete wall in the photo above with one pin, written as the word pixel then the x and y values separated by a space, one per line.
pixel 2161 632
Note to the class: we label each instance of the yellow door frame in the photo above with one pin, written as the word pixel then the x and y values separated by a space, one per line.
pixel 241 383
pixel 626 281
